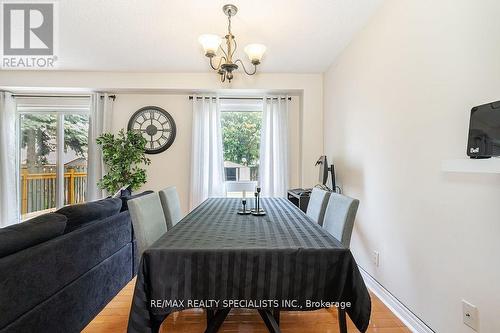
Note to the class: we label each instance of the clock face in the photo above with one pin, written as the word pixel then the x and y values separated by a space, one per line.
pixel 156 125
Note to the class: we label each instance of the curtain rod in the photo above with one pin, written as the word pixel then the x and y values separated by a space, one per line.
pixel 113 97
pixel 250 98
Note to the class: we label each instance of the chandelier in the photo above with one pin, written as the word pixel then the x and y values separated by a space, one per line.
pixel 212 44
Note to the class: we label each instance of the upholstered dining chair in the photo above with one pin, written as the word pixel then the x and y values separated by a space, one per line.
pixel 171 206
pixel 147 219
pixel 317 205
pixel 339 217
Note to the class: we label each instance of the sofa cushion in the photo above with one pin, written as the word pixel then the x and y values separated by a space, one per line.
pixel 32 232
pixel 125 198
pixel 80 214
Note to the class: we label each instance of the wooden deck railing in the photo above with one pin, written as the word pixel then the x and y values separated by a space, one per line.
pixel 39 190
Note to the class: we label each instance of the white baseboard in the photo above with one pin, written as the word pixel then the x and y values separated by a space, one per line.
pixel 408 318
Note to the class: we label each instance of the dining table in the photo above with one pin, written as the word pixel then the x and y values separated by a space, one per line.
pixel 217 259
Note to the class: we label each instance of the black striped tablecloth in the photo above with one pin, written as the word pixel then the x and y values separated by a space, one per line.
pixel 214 254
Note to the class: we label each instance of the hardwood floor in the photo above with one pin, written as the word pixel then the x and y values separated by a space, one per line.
pixel 113 319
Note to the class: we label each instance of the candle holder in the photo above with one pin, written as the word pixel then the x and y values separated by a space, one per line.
pixel 258 211
pixel 244 211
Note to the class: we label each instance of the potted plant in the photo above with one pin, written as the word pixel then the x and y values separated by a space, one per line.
pixel 123 155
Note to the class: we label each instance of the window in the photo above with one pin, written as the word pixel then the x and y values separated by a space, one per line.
pixel 230 174
pixel 241 143
pixel 53 156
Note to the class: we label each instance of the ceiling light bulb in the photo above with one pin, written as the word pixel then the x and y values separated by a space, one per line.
pixel 255 52
pixel 210 44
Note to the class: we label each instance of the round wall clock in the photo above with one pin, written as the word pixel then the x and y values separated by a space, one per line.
pixel 156 125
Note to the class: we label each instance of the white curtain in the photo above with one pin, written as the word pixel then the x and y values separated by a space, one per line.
pixel 100 122
pixel 273 169
pixel 207 160
pixel 9 202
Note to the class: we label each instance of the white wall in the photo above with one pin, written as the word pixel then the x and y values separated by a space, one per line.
pixel 397 103
pixel 170 91
pixel 172 167
pixel 307 87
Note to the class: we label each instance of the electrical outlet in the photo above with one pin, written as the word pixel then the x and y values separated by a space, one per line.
pixel 375 258
pixel 470 315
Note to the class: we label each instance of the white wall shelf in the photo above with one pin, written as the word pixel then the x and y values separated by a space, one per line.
pixel 489 165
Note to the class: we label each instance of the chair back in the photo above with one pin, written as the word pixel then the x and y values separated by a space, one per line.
pixel 171 206
pixel 147 219
pixel 317 205
pixel 339 217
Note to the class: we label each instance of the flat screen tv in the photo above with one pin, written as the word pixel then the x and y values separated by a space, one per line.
pixel 484 131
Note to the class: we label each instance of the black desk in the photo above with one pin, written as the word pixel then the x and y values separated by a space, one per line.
pixel 214 254
pixel 300 198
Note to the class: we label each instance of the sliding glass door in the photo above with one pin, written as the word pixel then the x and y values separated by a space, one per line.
pixel 38 167
pixel 53 158
pixel 74 157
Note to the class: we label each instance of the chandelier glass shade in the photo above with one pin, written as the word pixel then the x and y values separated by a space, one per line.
pixel 222 61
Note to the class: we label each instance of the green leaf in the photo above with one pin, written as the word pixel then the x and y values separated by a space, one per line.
pixel 124 155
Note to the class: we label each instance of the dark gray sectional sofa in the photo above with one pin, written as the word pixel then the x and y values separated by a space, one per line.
pixel 59 270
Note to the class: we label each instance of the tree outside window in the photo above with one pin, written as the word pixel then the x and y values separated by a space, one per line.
pixel 241 141
pixel 39 158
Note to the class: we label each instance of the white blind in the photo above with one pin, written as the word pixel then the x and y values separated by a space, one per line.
pixel 53 103
pixel 241 104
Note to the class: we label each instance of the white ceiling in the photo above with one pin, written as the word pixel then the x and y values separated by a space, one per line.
pixel 162 35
